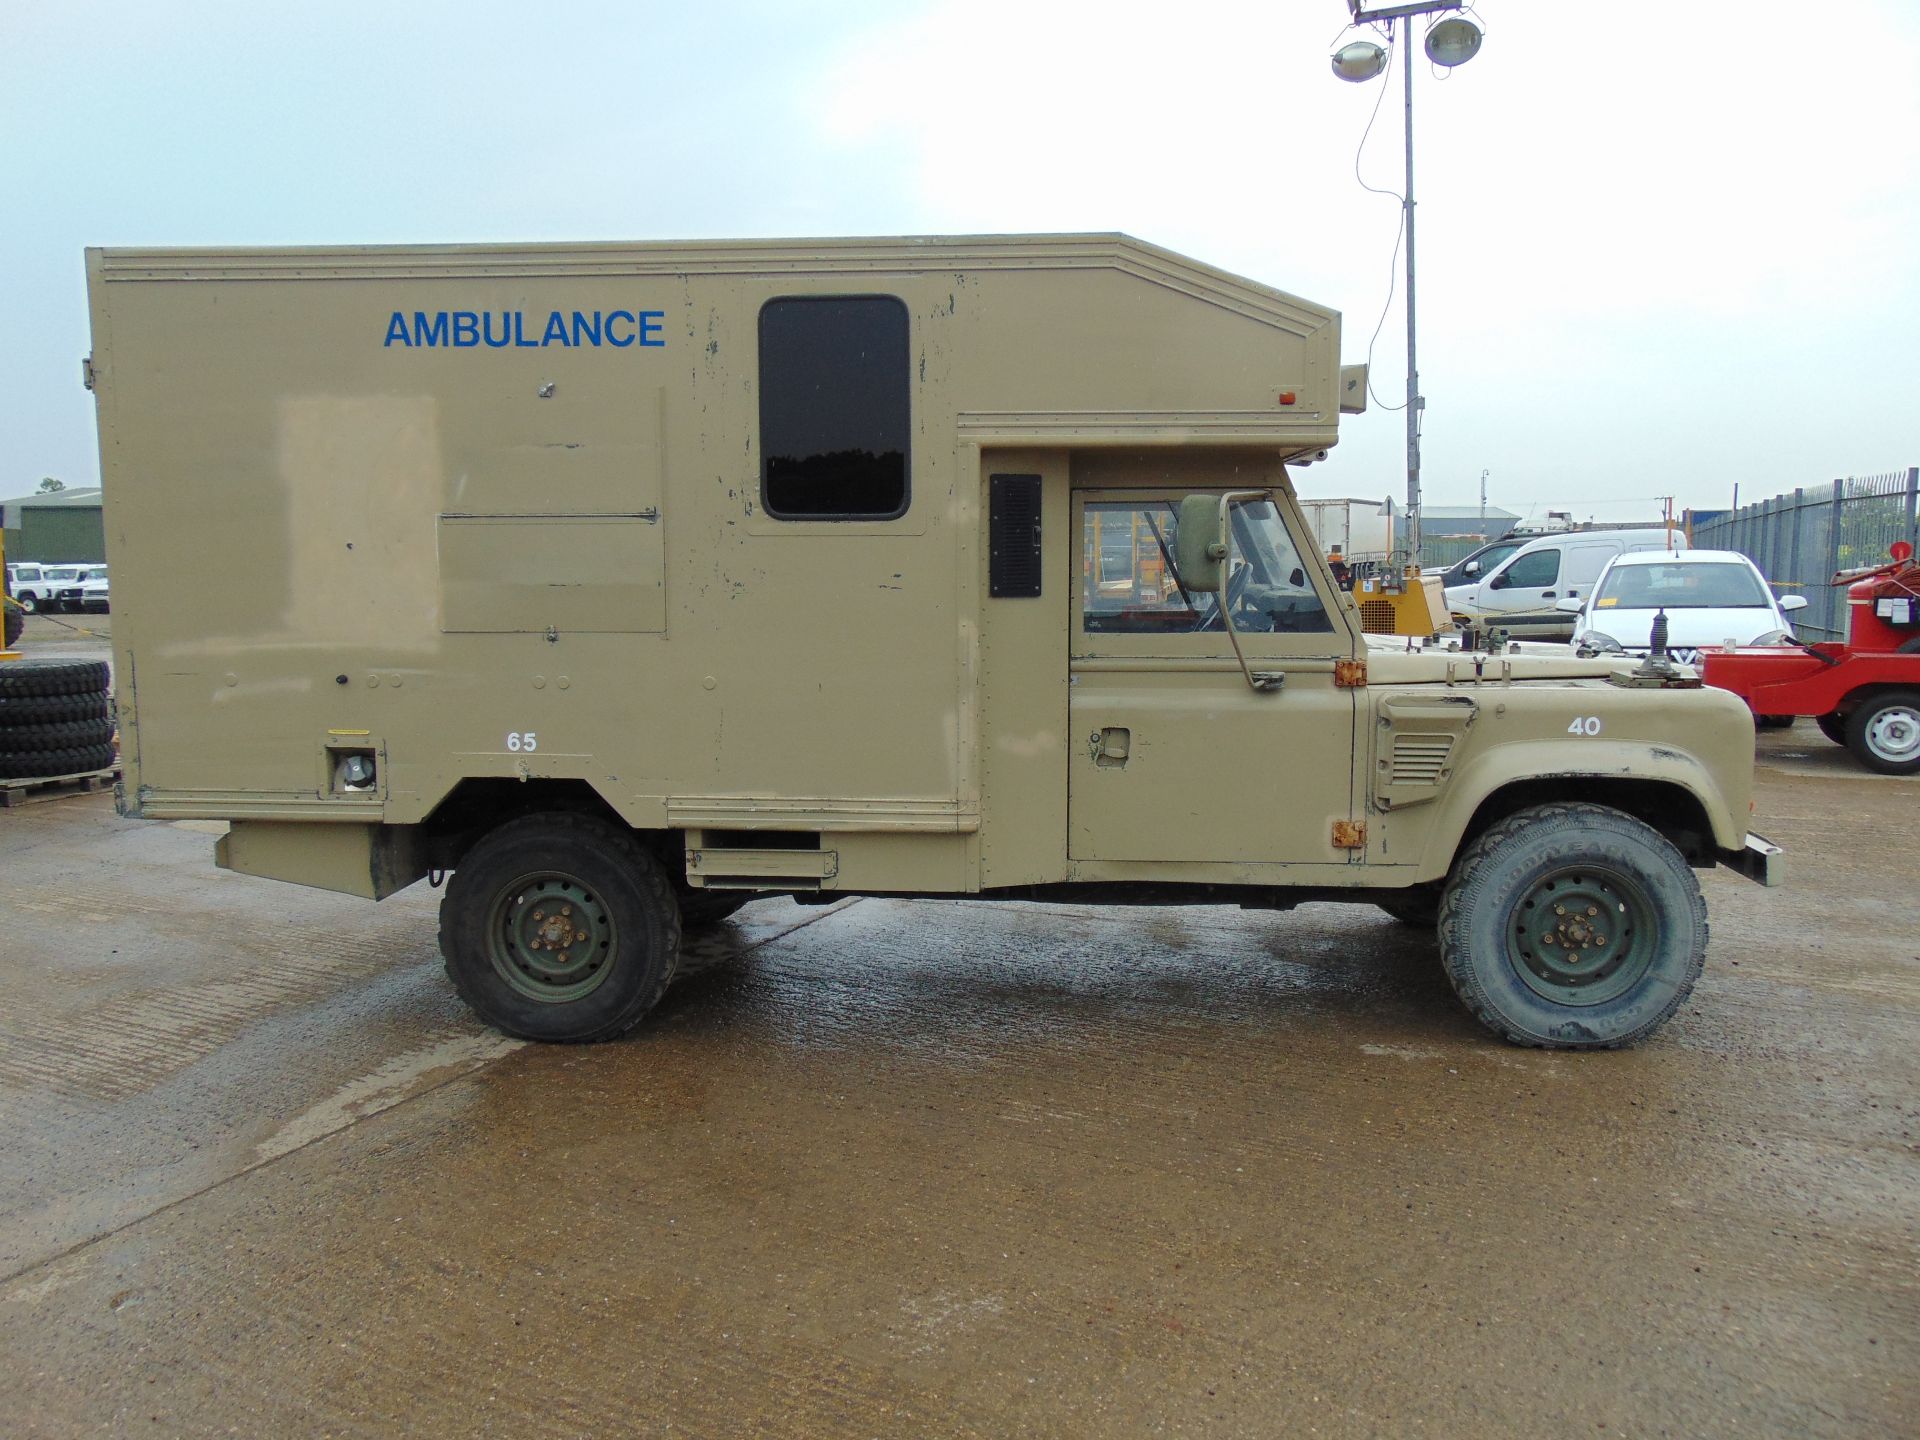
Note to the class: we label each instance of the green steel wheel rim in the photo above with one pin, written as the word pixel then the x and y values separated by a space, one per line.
pixel 550 937
pixel 1582 935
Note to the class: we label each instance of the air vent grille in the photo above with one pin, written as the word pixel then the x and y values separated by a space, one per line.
pixel 1013 537
pixel 1377 617
pixel 1419 759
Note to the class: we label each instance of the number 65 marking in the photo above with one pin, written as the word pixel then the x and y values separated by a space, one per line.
pixel 1584 725
pixel 522 740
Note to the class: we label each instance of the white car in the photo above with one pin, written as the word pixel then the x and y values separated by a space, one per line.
pixel 1526 593
pixel 1710 597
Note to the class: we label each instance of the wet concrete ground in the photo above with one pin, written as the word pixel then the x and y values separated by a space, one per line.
pixel 937 1168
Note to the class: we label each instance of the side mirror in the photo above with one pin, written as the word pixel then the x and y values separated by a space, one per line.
pixel 1793 602
pixel 1499 582
pixel 1569 603
pixel 1200 546
pixel 1472 567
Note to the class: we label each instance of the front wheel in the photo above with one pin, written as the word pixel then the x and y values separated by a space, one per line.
pixel 1884 732
pixel 560 927
pixel 1572 927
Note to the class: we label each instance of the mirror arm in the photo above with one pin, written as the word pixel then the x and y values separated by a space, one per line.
pixel 1261 681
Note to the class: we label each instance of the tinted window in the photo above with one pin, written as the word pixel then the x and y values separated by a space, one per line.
pixel 1530 572
pixel 833 407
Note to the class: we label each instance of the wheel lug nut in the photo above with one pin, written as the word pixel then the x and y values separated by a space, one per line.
pixel 1559 909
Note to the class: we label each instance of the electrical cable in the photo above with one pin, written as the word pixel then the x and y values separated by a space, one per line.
pixel 9 601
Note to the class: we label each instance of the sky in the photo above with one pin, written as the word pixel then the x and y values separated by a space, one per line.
pixel 1664 249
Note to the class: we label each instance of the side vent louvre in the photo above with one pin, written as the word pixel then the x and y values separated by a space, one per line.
pixel 1419 759
pixel 1013 537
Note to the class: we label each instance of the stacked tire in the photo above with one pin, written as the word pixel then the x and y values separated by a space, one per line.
pixel 55 719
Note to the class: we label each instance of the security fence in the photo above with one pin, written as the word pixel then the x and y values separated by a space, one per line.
pixel 1801 540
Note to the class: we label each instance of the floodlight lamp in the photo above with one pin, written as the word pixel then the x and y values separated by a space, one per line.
pixel 1362 60
pixel 1453 41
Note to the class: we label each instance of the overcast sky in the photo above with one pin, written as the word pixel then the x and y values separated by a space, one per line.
pixel 1663 247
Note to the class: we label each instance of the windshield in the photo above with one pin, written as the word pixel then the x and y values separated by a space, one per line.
pixel 1683 585
pixel 60 573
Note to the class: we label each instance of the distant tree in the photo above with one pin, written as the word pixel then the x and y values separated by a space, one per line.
pixel 49 485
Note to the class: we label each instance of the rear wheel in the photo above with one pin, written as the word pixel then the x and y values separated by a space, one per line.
pixel 1883 732
pixel 561 928
pixel 1572 927
pixel 1774 722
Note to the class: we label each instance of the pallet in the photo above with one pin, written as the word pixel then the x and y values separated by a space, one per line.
pixel 55 787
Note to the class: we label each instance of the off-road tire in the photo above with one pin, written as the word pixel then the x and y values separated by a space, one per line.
pixel 1833 726
pixel 30 679
pixel 38 764
pixel 624 882
pixel 68 735
pixel 10 628
pixel 1418 907
pixel 1868 747
pixel 1774 722
pixel 27 603
pixel 51 710
pixel 699 909
pixel 1506 866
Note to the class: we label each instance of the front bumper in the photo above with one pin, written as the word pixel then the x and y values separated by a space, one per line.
pixel 1760 860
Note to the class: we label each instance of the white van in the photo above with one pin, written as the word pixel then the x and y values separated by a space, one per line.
pixel 1522 594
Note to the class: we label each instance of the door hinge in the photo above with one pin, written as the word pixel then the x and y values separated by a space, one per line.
pixel 1350 674
pixel 1349 834
pixel 86 371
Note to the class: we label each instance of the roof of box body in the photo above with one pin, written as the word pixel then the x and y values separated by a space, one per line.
pixel 912 254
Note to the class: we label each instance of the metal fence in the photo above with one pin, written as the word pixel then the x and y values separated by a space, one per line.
pixel 1800 540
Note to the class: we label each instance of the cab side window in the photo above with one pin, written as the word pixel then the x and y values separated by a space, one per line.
pixel 834 407
pixel 1130 582
pixel 1531 572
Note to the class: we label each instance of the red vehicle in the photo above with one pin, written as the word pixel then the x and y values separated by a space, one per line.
pixel 1864 694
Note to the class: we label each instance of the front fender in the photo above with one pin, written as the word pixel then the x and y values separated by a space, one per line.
pixel 1541 762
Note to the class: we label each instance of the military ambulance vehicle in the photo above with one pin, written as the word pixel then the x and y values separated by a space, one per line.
pixel 625 583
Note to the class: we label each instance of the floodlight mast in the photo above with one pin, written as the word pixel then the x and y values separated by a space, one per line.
pixel 1404 15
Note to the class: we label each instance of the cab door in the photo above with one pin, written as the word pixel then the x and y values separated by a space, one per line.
pixel 1173 756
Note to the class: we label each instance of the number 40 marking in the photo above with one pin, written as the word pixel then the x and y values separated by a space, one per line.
pixel 1584 725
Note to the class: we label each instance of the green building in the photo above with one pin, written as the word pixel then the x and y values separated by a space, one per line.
pixel 62 527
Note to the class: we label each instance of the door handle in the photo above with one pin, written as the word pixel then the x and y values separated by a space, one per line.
pixel 1110 745
pixel 1546 594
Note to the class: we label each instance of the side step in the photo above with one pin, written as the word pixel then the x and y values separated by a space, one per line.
pixel 716 868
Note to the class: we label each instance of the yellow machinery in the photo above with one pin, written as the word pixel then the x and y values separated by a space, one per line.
pixel 1407 604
